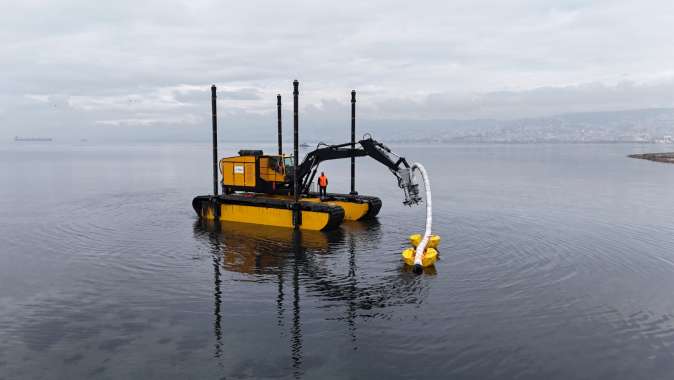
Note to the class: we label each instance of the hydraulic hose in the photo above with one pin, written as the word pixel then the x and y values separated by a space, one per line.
pixel 421 248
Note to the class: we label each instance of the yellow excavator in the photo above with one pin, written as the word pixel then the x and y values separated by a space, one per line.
pixel 274 190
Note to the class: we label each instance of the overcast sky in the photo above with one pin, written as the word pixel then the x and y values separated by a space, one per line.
pixel 90 68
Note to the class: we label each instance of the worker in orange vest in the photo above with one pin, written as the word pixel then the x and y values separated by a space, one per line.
pixel 323 185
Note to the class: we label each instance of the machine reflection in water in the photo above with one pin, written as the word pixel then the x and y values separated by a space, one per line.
pixel 293 259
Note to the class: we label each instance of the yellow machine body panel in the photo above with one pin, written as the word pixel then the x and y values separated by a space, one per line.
pixel 311 220
pixel 242 171
pixel 238 171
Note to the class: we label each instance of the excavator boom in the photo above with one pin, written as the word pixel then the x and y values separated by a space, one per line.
pixel 366 147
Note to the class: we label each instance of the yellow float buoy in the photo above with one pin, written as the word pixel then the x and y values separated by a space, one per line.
pixel 433 242
pixel 429 258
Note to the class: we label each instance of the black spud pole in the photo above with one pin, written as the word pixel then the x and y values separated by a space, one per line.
pixel 280 130
pixel 297 216
pixel 353 142
pixel 215 141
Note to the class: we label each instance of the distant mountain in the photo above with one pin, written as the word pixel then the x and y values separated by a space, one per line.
pixel 643 125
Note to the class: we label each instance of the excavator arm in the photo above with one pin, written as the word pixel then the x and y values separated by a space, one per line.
pixel 366 147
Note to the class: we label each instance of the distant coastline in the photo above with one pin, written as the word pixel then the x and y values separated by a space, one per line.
pixel 658 157
pixel 32 139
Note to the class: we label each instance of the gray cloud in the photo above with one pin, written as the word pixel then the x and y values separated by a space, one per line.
pixel 77 68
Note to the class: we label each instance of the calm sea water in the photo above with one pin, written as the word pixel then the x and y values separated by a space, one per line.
pixel 557 262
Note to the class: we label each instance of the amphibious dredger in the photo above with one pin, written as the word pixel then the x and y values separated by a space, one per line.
pixel 274 189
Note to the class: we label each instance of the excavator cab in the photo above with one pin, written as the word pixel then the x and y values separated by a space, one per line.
pixel 288 161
